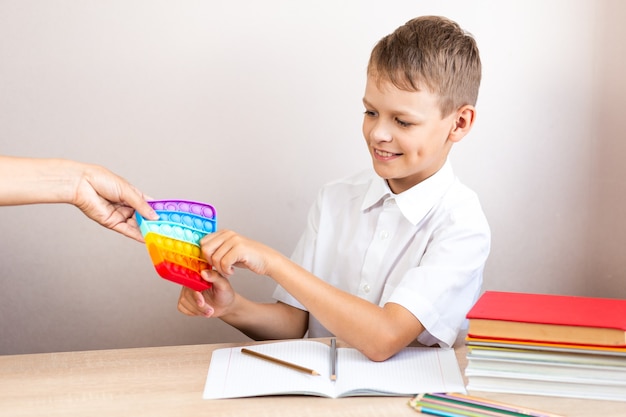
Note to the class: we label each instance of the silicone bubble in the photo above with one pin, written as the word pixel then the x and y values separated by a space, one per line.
pixel 202 224
pixel 184 206
pixel 173 246
pixel 173 241
pixel 172 230
pixel 180 267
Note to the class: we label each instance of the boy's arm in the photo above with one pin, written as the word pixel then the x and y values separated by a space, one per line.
pixel 268 321
pixel 258 321
pixel 378 332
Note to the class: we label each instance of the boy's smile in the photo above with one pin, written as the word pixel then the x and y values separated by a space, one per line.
pixel 407 137
pixel 380 154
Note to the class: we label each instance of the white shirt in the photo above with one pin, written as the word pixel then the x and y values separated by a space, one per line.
pixel 424 249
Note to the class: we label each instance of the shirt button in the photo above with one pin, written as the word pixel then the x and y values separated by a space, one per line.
pixel 384 234
pixel 366 288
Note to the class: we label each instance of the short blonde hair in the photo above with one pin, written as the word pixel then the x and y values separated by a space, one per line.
pixel 430 52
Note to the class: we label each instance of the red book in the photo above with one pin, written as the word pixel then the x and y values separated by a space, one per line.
pixel 549 318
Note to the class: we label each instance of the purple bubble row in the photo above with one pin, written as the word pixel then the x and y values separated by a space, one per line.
pixel 194 207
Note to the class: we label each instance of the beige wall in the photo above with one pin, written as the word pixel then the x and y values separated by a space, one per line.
pixel 606 253
pixel 252 106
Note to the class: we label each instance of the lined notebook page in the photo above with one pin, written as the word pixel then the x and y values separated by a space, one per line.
pixel 233 374
pixel 411 371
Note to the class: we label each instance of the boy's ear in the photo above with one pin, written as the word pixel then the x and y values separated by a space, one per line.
pixel 463 122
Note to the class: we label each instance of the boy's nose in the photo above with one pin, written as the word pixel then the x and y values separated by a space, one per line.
pixel 380 132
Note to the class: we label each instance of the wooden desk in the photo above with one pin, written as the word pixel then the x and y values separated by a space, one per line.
pixel 168 381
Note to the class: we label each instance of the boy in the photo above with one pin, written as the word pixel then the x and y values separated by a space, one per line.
pixel 384 259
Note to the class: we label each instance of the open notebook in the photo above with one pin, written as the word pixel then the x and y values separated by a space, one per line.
pixel 414 370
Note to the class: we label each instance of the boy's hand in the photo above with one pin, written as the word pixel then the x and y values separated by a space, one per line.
pixel 225 250
pixel 213 302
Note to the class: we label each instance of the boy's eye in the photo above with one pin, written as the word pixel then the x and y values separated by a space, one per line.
pixel 370 113
pixel 402 123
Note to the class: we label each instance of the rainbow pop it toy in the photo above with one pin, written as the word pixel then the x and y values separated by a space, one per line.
pixel 173 241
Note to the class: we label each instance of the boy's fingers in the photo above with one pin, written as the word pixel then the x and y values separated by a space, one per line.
pixel 199 299
pixel 206 275
pixel 186 304
pixel 183 309
pixel 212 276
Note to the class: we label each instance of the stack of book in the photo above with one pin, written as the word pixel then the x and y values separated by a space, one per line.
pixel 544 344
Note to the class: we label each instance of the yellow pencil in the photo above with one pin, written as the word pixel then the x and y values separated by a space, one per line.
pixel 279 361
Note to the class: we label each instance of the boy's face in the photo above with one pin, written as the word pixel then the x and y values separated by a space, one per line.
pixel 405 134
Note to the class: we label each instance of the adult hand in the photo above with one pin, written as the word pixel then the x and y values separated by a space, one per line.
pixel 111 201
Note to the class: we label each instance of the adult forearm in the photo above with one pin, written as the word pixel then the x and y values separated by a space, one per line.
pixel 31 180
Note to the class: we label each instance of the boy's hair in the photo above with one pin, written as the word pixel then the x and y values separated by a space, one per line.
pixel 430 52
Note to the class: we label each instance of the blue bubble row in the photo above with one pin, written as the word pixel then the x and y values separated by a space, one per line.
pixel 172 230
pixel 200 223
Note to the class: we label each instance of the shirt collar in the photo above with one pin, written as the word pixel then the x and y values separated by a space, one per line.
pixel 415 202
